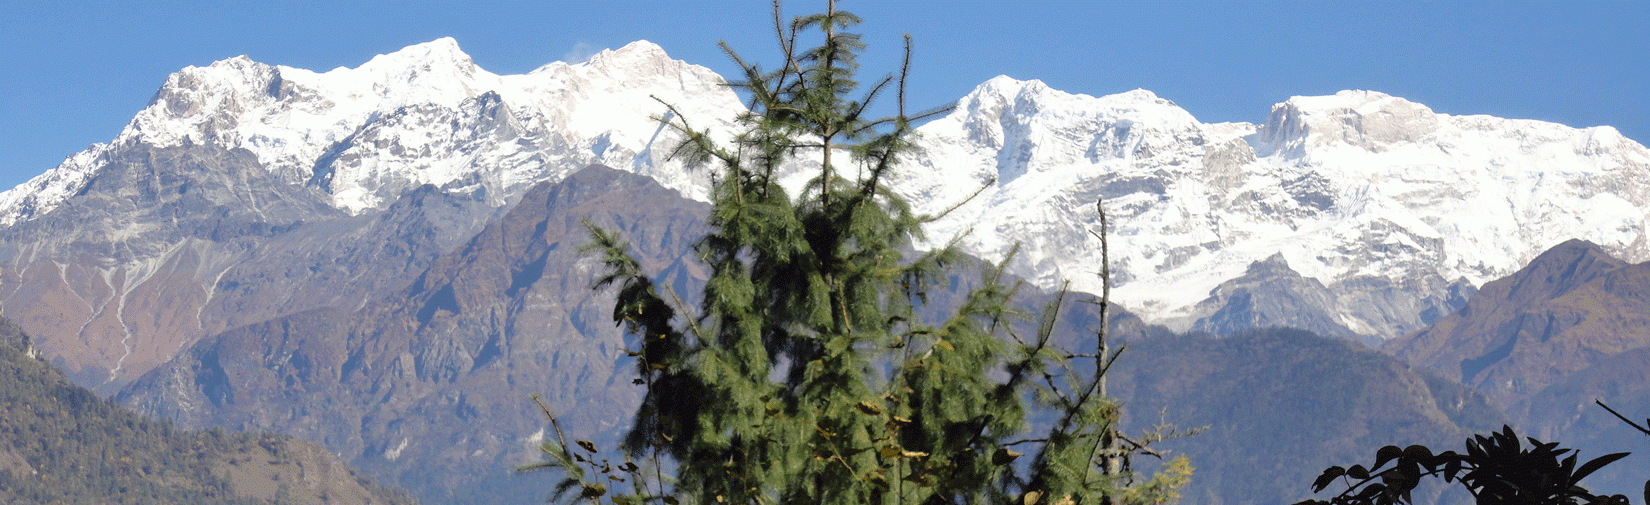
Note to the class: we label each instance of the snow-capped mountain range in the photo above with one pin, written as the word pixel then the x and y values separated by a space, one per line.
pixel 1386 203
pixel 423 115
pixel 1382 200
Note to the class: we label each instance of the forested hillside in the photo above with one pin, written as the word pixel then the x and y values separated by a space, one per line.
pixel 59 443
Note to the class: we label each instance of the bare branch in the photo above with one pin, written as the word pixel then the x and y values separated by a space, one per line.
pixel 1624 418
pixel 953 207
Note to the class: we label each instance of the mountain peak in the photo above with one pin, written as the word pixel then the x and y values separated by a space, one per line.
pixel 1275 264
pixel 1005 90
pixel 640 48
pixel 237 63
pixel 1571 306
pixel 1005 80
pixel 444 49
pixel 434 64
pixel 1354 99
pixel 1560 269
pixel 1368 119
pixel 634 59
pixel 1141 95
pixel 1030 96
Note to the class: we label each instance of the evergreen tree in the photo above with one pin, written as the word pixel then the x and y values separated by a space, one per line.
pixel 806 374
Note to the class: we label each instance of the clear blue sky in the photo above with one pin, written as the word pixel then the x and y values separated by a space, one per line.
pixel 75 72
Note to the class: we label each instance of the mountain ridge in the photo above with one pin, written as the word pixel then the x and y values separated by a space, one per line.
pixel 1573 305
pixel 401 385
pixel 400 381
pixel 1362 191
pixel 296 121
pixel 1364 203
pixel 1546 344
pixel 265 244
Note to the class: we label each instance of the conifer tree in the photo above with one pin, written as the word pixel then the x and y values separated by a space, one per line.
pixel 806 374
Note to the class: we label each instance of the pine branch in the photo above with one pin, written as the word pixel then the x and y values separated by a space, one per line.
pixel 953 207
pixel 693 323
pixel 904 71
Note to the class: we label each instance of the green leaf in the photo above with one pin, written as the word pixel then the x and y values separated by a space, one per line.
pixel 1358 472
pixel 1386 454
pixel 1597 463
pixel 1452 467
pixel 1329 475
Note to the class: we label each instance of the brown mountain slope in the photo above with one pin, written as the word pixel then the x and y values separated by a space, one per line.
pixel 1569 308
pixel 169 244
pixel 59 443
pixel 430 386
pixel 1281 405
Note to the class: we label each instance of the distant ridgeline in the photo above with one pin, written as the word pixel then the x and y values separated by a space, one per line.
pixel 59 443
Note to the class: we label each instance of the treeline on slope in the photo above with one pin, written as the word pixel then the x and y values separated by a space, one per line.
pixel 60 443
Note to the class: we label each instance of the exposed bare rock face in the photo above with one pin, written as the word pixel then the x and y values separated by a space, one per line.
pixel 245 191
pixel 440 373
pixel 428 386
pixel 114 281
pixel 1271 294
pixel 168 244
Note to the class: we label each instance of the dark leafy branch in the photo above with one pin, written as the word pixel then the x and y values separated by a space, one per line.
pixel 1496 469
